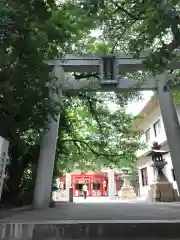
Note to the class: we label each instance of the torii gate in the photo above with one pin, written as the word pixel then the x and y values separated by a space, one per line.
pixel 108 68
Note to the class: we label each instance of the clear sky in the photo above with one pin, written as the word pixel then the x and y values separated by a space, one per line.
pixel 135 107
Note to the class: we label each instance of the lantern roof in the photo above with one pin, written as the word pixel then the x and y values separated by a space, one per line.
pixel 162 152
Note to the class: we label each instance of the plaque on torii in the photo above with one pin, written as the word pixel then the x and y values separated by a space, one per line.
pixel 108 70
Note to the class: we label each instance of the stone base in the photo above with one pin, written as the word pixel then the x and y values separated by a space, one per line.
pixel 120 230
pixel 162 192
pixel 127 193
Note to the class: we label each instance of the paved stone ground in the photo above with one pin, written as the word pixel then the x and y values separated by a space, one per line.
pixel 104 200
pixel 95 217
pixel 62 197
pixel 114 210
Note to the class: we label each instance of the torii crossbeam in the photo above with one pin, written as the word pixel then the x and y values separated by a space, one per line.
pixel 125 63
pixel 108 68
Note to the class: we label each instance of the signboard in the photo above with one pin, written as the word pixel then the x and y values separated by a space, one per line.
pixel 4 144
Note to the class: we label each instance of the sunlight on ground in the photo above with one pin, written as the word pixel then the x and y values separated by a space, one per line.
pixel 104 200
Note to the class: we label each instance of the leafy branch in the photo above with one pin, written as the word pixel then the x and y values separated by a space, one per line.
pixel 90 148
pixel 132 16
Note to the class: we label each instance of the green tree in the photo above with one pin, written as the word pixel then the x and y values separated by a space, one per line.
pixel 98 137
pixel 91 136
pixel 30 34
pixel 137 26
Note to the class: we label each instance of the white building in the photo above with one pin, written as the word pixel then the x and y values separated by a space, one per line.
pixel 153 130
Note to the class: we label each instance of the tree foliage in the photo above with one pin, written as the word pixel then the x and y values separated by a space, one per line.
pixel 30 33
pixel 90 133
pixel 137 26
pixel 98 136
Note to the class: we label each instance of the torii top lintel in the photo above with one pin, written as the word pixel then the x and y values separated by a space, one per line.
pixel 125 63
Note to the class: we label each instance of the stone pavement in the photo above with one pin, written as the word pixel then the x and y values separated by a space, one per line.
pixel 102 211
pixel 89 219
pixel 104 200
pixel 62 197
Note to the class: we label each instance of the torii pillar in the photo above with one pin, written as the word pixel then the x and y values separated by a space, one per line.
pixel 171 122
pixel 42 193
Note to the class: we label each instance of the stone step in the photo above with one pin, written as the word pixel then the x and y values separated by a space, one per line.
pixel 121 230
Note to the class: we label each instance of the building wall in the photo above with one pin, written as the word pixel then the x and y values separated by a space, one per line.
pixel 148 124
pixel 146 161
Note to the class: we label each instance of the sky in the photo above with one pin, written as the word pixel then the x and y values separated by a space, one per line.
pixel 135 107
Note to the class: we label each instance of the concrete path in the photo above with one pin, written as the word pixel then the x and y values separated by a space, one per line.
pixel 95 217
pixel 102 211
pixel 63 197
pixel 104 200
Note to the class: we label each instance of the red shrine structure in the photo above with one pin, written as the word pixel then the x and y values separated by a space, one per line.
pixel 97 183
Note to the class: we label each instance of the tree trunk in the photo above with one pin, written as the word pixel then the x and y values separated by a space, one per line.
pixel 13 183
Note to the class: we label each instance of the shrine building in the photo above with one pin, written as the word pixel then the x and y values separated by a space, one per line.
pixel 97 182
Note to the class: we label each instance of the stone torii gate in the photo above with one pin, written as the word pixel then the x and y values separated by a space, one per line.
pixel 108 68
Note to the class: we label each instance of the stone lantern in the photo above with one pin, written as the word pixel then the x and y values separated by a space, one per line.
pixel 127 191
pixel 158 164
pixel 161 189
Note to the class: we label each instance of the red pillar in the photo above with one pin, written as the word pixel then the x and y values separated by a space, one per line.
pixel 90 188
pixel 104 187
pixel 101 187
